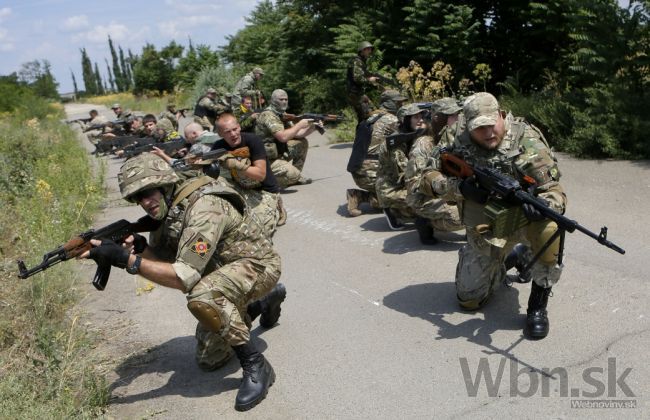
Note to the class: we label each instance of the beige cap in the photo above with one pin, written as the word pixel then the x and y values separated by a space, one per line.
pixel 392 94
pixel 258 70
pixel 116 105
pixel 481 109
pixel 211 90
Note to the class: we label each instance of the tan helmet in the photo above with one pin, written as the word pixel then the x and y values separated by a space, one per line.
pixel 363 45
pixel 408 110
pixel 143 172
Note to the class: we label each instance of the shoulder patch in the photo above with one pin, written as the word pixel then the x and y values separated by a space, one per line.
pixel 201 247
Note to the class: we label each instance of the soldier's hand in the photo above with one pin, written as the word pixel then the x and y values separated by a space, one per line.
pixel 373 79
pixel 107 252
pixel 532 213
pixel 240 164
pixel 305 123
pixel 472 191
pixel 135 243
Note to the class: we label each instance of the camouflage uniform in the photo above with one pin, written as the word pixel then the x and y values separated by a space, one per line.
pixel 207 110
pixel 441 215
pixel 284 159
pixel 247 86
pixel 219 252
pixel 244 117
pixel 522 152
pixel 356 84
pixel 168 115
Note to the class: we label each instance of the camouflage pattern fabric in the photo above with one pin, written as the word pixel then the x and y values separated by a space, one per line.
pixel 171 117
pixel 244 117
pixel 246 86
pixel 357 81
pixel 390 187
pixel 297 150
pixel 216 106
pixel 443 216
pixel 522 152
pixel 268 123
pixel 366 176
pixel 221 254
pixel 285 173
pixel 384 126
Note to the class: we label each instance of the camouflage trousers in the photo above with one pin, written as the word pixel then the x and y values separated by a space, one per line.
pixel 481 268
pixel 393 197
pixel 298 152
pixel 366 176
pixel 285 173
pixel 229 290
pixel 265 207
pixel 441 215
pixel 361 105
pixel 205 122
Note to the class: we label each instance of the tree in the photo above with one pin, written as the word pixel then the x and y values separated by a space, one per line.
pixel 38 76
pixel 118 74
pixel 98 81
pixel 126 70
pixel 74 84
pixel 111 79
pixel 152 72
pixel 90 80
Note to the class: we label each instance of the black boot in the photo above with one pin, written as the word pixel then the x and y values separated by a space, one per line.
pixel 425 231
pixel 393 222
pixel 518 259
pixel 258 377
pixel 268 306
pixel 536 320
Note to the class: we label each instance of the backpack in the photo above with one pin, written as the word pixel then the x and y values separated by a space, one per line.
pixel 362 138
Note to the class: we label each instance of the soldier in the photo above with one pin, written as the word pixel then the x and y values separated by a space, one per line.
pixel 358 79
pixel 137 126
pixel 245 113
pixel 391 191
pixel 95 120
pixel 247 86
pixel 493 139
pixel 208 246
pixel 195 134
pixel 208 107
pixel 432 213
pixel 170 114
pixel 286 144
pixel 383 122
pixel 161 129
pixel 254 175
pixel 119 113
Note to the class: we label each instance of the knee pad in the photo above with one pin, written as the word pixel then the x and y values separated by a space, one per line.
pixel 208 312
pixel 540 232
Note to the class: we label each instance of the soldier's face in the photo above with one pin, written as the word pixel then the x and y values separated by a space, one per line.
pixel 117 110
pixel 135 124
pixel 417 121
pixel 451 119
pixel 230 130
pixel 366 52
pixel 149 126
pixel 247 102
pixel 149 200
pixel 489 136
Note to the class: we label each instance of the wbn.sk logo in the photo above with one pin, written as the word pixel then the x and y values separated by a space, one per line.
pixel 598 382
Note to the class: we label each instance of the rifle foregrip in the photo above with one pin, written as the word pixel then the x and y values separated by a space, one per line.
pixel 455 166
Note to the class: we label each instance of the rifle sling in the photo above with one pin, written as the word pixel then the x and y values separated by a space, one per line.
pixel 190 188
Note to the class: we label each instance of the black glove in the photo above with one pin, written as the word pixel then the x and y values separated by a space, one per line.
pixel 472 191
pixel 532 213
pixel 139 243
pixel 109 253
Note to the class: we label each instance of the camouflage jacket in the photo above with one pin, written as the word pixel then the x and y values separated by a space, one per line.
pixel 245 118
pixel 522 152
pixel 247 85
pixel 209 228
pixel 418 158
pixel 384 126
pixel 268 123
pixel 357 76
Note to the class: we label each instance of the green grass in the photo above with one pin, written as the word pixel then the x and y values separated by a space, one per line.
pixel 49 193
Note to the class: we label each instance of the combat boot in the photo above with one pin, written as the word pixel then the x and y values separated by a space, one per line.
pixel 517 258
pixel 258 376
pixel 537 325
pixel 425 231
pixel 282 219
pixel 304 181
pixel 269 306
pixel 393 223
pixel 352 197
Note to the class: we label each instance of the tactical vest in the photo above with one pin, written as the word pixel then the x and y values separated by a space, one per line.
pixel 201 111
pixel 246 240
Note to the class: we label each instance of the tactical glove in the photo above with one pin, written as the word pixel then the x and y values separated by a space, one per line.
pixel 472 191
pixel 139 243
pixel 109 253
pixel 240 164
pixel 532 213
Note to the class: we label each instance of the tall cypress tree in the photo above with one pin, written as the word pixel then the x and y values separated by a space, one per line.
pixel 74 84
pixel 111 80
pixel 117 72
pixel 98 80
pixel 90 80
pixel 126 72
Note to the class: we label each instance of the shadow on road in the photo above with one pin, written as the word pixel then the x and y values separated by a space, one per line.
pixel 187 380
pixel 409 241
pixel 342 146
pixel 432 301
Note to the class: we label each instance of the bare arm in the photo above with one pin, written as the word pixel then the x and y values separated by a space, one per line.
pixel 292 132
pixel 257 170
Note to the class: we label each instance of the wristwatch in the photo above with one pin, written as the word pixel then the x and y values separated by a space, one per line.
pixel 135 268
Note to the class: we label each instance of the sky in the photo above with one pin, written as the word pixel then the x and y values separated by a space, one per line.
pixel 55 30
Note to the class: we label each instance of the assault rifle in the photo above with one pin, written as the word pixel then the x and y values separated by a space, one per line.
pixel 171 148
pixel 208 161
pixel 314 116
pixel 385 81
pixel 510 191
pixel 121 142
pixel 398 139
pixel 117 232
pixel 80 120
pixel 119 124
pixel 182 111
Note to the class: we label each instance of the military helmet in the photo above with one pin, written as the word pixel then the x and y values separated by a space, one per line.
pixel 408 110
pixel 447 106
pixel 258 70
pixel 363 45
pixel 143 172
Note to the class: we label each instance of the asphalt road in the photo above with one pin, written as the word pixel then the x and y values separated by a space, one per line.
pixel 371 328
